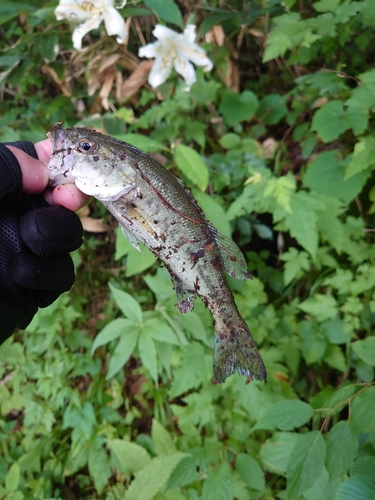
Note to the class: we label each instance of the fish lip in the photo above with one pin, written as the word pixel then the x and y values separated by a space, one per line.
pixel 57 137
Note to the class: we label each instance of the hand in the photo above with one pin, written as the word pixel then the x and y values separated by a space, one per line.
pixel 36 233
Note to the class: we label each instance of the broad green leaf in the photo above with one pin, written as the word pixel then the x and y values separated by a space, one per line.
pixel 142 142
pixel 167 10
pixel 314 344
pixel 191 164
pixel 275 452
pixel 123 351
pixel 358 488
pixel 147 352
pixel 229 141
pixel 217 485
pixel 153 477
pixel 362 415
pixel 285 415
pixel 335 357
pixel 328 121
pixel 271 109
pixel 282 190
pixel 365 350
pixel 305 463
pixel 296 263
pixel 214 212
pixel 115 328
pixel 159 330
pixel 328 170
pixel 301 221
pixel 137 262
pixel 341 449
pixel 237 108
pixel 98 464
pixel 12 479
pixel 322 307
pixel 161 439
pixel 317 490
pixel 131 456
pixel 334 330
pixel 250 471
pixel 333 400
pixel 128 305
pixel 185 473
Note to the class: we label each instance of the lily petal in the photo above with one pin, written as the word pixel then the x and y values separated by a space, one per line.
pixel 150 50
pixel 161 70
pixel 70 10
pixel 186 70
pixel 196 55
pixel 189 34
pixel 162 32
pixel 83 29
pixel 115 24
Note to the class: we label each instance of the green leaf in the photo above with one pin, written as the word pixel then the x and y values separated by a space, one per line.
pixel 137 262
pixel 313 342
pixel 166 10
pixel 322 307
pixel 161 439
pixel 365 350
pixel 301 222
pixel 358 488
pixel 249 471
pixel 295 264
pixel 159 330
pixel 285 415
pixel 214 212
pixel 191 164
pixel 237 108
pixel 272 109
pixel 327 170
pixel 128 305
pixel 363 157
pixel 305 463
pixel 131 456
pixel 229 141
pixel 123 351
pixel 115 328
pixel 334 357
pixel 98 465
pixel 217 485
pixel 153 477
pixel 362 415
pixel 275 452
pixel 12 479
pixel 341 449
pixel 142 142
pixel 328 122
pixel 147 352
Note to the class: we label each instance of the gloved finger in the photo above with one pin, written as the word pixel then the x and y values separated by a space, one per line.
pixel 51 231
pixel 32 272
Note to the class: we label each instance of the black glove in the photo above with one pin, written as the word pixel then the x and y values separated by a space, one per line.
pixel 35 238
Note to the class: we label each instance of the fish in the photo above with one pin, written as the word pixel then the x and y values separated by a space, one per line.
pixel 154 207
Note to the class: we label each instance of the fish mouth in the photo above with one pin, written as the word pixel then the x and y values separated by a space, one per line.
pixel 61 162
pixel 57 137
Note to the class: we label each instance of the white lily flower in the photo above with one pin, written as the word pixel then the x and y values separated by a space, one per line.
pixel 90 14
pixel 177 50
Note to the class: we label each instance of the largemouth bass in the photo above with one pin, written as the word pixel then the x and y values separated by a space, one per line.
pixel 154 207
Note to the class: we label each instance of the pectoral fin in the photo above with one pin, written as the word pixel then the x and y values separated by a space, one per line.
pixel 185 297
pixel 233 259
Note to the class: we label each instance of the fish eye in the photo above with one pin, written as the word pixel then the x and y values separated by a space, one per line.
pixel 87 146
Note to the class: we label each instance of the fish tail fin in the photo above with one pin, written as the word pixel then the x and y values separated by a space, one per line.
pixel 235 350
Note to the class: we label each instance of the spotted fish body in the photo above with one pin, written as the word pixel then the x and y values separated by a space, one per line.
pixel 154 207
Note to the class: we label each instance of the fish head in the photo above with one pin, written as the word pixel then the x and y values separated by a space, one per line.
pixel 96 163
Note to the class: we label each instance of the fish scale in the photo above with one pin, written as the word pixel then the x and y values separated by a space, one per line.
pixel 154 207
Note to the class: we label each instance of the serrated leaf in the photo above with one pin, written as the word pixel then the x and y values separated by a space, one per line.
pixel 147 353
pixel 362 415
pixel 123 351
pixel 217 485
pixel 328 121
pixel 98 465
pixel 358 488
pixel 327 170
pixel 131 456
pixel 191 164
pixel 335 357
pixel 295 264
pixel 301 221
pixel 363 157
pixel 142 142
pixel 305 463
pixel 365 350
pixel 128 305
pixel 341 449
pixel 160 331
pixel 12 478
pixel 322 307
pixel 161 439
pixel 250 471
pixel 275 452
pixel 285 415
pixel 166 10
pixel 153 477
pixel 214 212
pixel 237 108
pixel 116 328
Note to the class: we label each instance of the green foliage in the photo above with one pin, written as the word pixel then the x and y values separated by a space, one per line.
pixel 108 392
